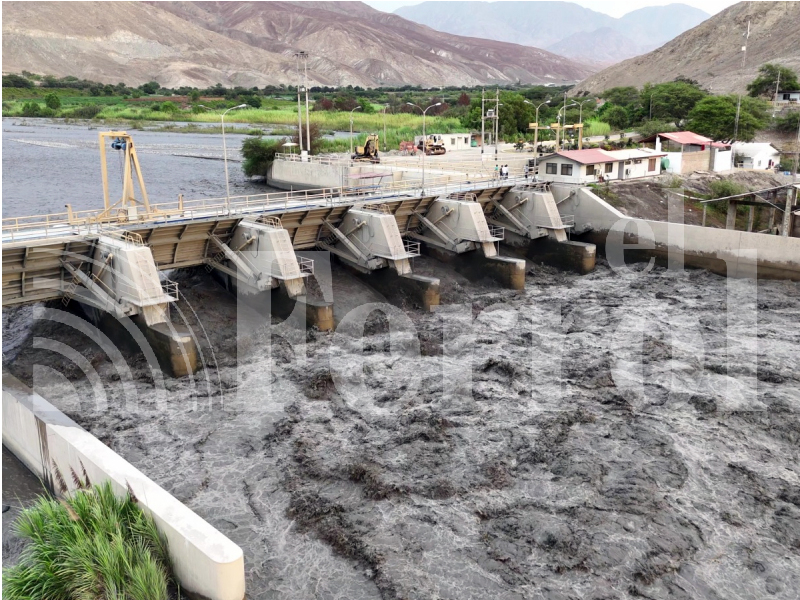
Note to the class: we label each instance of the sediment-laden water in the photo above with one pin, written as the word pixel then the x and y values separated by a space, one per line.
pixel 593 437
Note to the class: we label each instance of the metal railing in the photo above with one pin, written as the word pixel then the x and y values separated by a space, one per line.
pixel 497 232
pixel 99 222
pixel 170 288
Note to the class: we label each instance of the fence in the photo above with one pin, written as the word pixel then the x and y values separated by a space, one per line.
pixel 105 222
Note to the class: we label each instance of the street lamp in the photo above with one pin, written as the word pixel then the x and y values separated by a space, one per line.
pixel 536 134
pixel 580 112
pixel 302 55
pixel 423 138
pixel 225 150
pixel 385 147
pixel 351 129
pixel 225 153
pixel 558 118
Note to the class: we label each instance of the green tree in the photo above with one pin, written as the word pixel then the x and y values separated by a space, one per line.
pixel 617 117
pixel 671 102
pixel 169 107
pixel 767 80
pixel 16 81
pixel 52 101
pixel 622 96
pixel 366 106
pixel 259 154
pixel 194 95
pixel 715 117
pixel 789 123
pixel 151 87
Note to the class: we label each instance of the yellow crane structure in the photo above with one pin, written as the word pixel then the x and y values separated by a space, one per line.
pixel 127 207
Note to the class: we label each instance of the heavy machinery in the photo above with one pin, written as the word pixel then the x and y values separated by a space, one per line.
pixel 369 151
pixel 433 145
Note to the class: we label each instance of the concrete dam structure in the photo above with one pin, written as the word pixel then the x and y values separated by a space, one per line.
pixel 375 220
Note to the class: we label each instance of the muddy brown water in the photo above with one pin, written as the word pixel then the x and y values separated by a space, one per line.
pixel 515 478
pixel 603 436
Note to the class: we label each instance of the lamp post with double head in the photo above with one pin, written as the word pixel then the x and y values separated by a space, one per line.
pixel 423 137
pixel 564 122
pixel 536 134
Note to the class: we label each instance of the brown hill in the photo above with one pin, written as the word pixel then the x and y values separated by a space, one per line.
pixel 711 53
pixel 252 44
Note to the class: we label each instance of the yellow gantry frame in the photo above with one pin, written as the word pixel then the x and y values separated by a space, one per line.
pixel 131 162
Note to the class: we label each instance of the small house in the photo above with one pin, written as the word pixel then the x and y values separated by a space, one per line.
pixel 787 97
pixel 755 155
pixel 593 165
pixel 686 151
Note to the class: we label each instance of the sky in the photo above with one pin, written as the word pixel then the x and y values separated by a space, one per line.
pixel 615 8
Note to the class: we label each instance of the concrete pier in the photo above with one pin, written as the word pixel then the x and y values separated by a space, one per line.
pixel 508 272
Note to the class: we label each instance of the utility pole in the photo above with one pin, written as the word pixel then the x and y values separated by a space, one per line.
pixel 483 120
pixel 304 56
pixel 496 122
pixel 299 111
pixel 739 102
pixel 777 89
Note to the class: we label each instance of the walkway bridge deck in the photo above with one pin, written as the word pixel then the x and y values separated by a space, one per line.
pixel 179 233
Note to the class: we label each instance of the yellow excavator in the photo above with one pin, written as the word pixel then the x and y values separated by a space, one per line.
pixel 434 144
pixel 369 151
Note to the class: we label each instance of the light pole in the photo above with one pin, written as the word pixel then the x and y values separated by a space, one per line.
pixel 564 124
pixel 225 154
pixel 351 129
pixel 385 147
pixel 536 135
pixel 302 55
pixel 299 111
pixel 424 152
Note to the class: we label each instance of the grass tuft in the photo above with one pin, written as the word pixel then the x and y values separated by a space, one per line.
pixel 92 544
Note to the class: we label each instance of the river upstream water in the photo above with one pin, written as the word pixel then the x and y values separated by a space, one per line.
pixel 606 436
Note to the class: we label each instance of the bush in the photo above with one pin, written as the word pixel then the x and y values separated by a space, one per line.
pixel 169 107
pixel 90 111
pixel 91 545
pixel 724 188
pixel 31 109
pixel 258 155
pixel 52 101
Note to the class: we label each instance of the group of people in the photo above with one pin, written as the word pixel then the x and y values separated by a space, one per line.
pixel 501 171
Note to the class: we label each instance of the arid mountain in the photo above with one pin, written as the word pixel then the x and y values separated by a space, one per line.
pixel 711 53
pixel 587 35
pixel 253 43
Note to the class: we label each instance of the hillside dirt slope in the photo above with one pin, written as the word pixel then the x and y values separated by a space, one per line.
pixel 252 44
pixel 711 53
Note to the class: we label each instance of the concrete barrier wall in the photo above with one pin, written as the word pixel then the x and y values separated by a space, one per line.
pixel 306 175
pixel 206 562
pixel 722 251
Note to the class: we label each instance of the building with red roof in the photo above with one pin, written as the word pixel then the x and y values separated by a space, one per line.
pixel 688 152
pixel 593 165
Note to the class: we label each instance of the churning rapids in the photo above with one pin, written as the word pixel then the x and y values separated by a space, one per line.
pixel 593 437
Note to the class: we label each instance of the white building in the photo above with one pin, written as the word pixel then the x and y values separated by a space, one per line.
pixel 451 141
pixel 592 165
pixel 753 155
pixel 787 97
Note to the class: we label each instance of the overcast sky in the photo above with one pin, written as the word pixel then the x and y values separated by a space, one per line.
pixel 615 8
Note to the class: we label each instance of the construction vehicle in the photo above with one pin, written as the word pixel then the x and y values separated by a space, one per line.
pixel 433 145
pixel 369 151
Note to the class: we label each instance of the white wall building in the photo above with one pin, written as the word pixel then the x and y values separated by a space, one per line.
pixel 754 155
pixel 788 97
pixel 451 141
pixel 592 165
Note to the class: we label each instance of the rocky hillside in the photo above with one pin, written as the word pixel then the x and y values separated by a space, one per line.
pixel 562 27
pixel 252 44
pixel 711 53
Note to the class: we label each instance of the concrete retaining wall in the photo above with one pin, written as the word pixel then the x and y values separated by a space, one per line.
pixel 206 562
pixel 298 175
pixel 722 251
